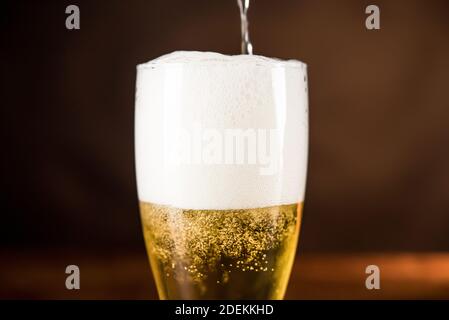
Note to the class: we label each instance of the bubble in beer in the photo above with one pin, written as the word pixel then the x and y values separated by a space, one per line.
pixel 212 248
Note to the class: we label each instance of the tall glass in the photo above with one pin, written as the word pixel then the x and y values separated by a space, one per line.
pixel 221 155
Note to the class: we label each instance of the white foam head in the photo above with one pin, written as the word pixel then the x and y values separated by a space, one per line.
pixel 189 108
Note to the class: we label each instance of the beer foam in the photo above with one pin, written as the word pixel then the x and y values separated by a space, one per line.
pixel 188 102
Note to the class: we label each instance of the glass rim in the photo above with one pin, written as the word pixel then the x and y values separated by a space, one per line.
pixel 230 60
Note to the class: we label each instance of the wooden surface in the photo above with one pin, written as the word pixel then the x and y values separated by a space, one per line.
pixel 26 275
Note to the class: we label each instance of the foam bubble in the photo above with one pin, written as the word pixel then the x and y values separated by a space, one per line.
pixel 201 93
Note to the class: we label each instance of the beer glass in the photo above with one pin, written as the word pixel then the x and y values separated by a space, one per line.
pixel 221 148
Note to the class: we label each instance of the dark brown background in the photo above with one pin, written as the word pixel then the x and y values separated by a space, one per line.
pixel 379 108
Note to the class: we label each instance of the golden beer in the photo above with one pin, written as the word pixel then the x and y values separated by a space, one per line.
pixel 221 254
